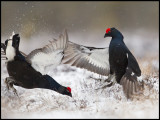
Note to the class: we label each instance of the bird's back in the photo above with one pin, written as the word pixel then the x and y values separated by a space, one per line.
pixel 120 55
pixel 23 73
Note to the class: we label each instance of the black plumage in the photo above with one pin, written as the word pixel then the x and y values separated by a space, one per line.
pixel 21 73
pixel 115 61
pixel 122 63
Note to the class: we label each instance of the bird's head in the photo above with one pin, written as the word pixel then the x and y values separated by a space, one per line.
pixel 109 32
pixel 113 32
pixel 67 91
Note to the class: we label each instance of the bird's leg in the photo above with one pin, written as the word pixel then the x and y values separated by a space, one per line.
pixel 111 75
pixel 6 82
pixel 109 78
pixel 9 81
pixel 108 82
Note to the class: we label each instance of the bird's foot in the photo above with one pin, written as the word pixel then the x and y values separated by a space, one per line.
pixel 107 80
pixel 6 82
pixel 108 83
pixel 9 81
pixel 15 92
pixel 105 85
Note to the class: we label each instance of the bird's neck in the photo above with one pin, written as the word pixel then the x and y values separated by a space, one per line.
pixel 19 56
pixel 53 85
pixel 117 35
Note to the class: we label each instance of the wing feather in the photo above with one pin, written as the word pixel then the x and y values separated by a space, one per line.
pixel 132 62
pixel 90 58
pixel 49 55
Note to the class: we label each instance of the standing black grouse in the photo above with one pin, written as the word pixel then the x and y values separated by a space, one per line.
pixel 116 61
pixel 21 68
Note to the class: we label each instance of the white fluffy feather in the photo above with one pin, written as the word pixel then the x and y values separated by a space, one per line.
pixel 12 35
pixel 10 51
pixel 50 56
pixel 42 61
pixel 132 73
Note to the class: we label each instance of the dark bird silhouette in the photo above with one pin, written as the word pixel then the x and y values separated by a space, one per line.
pixel 24 71
pixel 117 62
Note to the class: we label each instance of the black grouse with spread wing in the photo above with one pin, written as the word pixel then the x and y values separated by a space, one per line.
pixel 21 68
pixel 117 62
pixel 122 63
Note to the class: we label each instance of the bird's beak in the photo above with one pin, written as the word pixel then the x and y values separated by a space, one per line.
pixel 105 35
pixel 70 95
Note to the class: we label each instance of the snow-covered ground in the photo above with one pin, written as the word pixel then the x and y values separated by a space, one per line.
pixel 86 101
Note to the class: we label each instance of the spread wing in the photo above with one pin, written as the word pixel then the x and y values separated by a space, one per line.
pixel 90 58
pixel 50 55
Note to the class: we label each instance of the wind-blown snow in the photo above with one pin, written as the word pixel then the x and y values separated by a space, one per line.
pixel 87 101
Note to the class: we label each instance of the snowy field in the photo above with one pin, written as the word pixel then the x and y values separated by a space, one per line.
pixel 86 101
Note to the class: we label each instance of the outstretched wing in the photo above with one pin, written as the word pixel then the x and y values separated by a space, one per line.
pixel 49 55
pixel 90 58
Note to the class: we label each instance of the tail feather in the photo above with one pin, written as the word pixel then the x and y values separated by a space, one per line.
pixel 131 85
pixel 3 46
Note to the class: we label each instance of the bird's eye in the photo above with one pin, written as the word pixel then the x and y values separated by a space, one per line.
pixel 67 90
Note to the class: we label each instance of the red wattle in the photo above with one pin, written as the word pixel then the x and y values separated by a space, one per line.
pixel 69 89
pixel 108 30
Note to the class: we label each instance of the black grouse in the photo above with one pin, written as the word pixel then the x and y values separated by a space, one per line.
pixel 25 72
pixel 117 62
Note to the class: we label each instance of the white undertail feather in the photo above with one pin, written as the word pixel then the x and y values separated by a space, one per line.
pixel 10 51
pixel 132 73
pixel 12 35
pixel 139 79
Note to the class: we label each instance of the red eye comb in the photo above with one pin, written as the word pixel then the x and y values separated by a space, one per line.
pixel 109 29
pixel 69 89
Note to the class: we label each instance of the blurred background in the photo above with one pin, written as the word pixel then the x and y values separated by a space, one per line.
pixel 86 22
